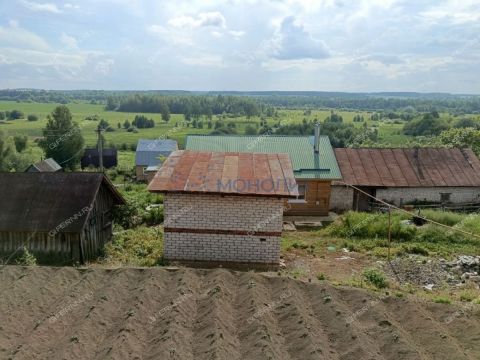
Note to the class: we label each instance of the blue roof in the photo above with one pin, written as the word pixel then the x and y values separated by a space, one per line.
pixel 157 145
pixel 149 152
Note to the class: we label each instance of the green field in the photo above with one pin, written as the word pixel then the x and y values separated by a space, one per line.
pixel 389 132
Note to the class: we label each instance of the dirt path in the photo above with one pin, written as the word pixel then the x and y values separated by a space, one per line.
pixel 65 313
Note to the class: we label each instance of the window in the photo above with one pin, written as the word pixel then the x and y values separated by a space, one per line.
pixel 144 170
pixel 445 197
pixel 302 190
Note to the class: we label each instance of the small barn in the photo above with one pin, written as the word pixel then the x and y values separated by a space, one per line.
pixel 92 158
pixel 47 165
pixel 224 206
pixel 406 176
pixel 313 161
pixel 149 156
pixel 60 217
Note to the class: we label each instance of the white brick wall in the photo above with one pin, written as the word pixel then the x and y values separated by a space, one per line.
pixel 342 196
pixel 232 213
pixel 247 213
pixel 458 194
pixel 214 247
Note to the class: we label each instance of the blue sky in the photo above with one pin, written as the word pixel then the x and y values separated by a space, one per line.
pixel 330 45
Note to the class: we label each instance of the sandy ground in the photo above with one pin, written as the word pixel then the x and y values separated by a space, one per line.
pixel 65 313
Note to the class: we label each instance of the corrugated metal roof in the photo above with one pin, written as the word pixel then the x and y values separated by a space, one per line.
pixel 231 173
pixel 421 167
pixel 306 164
pixel 149 152
pixel 43 201
pixel 47 165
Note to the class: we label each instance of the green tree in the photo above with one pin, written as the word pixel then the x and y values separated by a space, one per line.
pixel 62 140
pixel 20 142
pixel 126 124
pixel 165 112
pixel 250 130
pixel 428 125
pixel 32 117
pixel 111 104
pixel 462 138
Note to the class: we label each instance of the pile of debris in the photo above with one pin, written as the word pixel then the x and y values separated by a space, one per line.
pixel 465 267
pixel 430 273
pixel 419 270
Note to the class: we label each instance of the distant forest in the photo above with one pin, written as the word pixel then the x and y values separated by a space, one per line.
pixel 251 103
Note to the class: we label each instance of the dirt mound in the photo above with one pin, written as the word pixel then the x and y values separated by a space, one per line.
pixel 65 313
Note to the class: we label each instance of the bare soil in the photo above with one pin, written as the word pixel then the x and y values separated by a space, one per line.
pixel 156 313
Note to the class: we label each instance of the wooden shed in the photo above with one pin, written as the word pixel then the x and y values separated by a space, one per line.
pixel 61 218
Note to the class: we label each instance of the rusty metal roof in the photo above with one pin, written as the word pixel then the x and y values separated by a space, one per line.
pixel 44 202
pixel 419 167
pixel 232 173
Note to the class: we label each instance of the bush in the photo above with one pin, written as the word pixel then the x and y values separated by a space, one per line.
pixel 443 217
pixel 15 114
pixel 26 258
pixel 376 278
pixel 372 225
pixel 139 247
pixel 442 300
pixel 32 117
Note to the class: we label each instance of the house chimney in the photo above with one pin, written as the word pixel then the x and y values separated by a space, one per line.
pixel 316 138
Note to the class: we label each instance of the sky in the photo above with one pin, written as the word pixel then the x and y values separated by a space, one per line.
pixel 318 45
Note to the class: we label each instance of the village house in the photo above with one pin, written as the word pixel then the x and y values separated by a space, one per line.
pixel 59 217
pixel 313 161
pixel 47 165
pixel 224 206
pixel 406 176
pixel 91 158
pixel 149 156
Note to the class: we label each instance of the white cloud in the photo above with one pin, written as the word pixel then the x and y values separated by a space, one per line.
pixel 71 6
pixel 70 42
pixel 455 12
pixel 173 36
pixel 292 41
pixel 237 34
pixel 204 60
pixel 104 67
pixel 205 19
pixel 14 35
pixel 41 7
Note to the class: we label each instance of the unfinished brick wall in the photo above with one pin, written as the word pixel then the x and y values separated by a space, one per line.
pixel 223 228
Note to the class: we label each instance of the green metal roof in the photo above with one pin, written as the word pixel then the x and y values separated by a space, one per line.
pixel 306 164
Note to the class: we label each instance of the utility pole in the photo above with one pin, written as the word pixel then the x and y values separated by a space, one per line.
pixel 100 147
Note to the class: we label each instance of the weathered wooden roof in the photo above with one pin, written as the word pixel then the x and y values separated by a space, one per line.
pixel 420 167
pixel 47 165
pixel 232 173
pixel 45 202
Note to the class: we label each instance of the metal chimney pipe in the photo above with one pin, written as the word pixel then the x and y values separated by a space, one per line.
pixel 316 139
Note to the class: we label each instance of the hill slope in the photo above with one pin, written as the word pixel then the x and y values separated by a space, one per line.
pixel 65 313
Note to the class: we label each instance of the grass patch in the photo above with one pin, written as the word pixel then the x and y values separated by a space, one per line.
pixel 376 278
pixel 442 300
pixel 142 246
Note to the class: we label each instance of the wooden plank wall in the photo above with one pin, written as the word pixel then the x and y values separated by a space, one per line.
pixel 317 191
pixel 60 249
pixel 97 232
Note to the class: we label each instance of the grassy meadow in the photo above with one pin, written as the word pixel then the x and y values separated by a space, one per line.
pixel 389 131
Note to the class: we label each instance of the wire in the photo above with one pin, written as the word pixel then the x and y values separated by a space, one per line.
pixel 407 212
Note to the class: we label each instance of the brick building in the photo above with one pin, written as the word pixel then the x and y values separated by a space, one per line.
pixel 224 207
pixel 406 176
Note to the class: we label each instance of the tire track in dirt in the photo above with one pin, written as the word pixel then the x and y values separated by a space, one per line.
pixel 259 331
